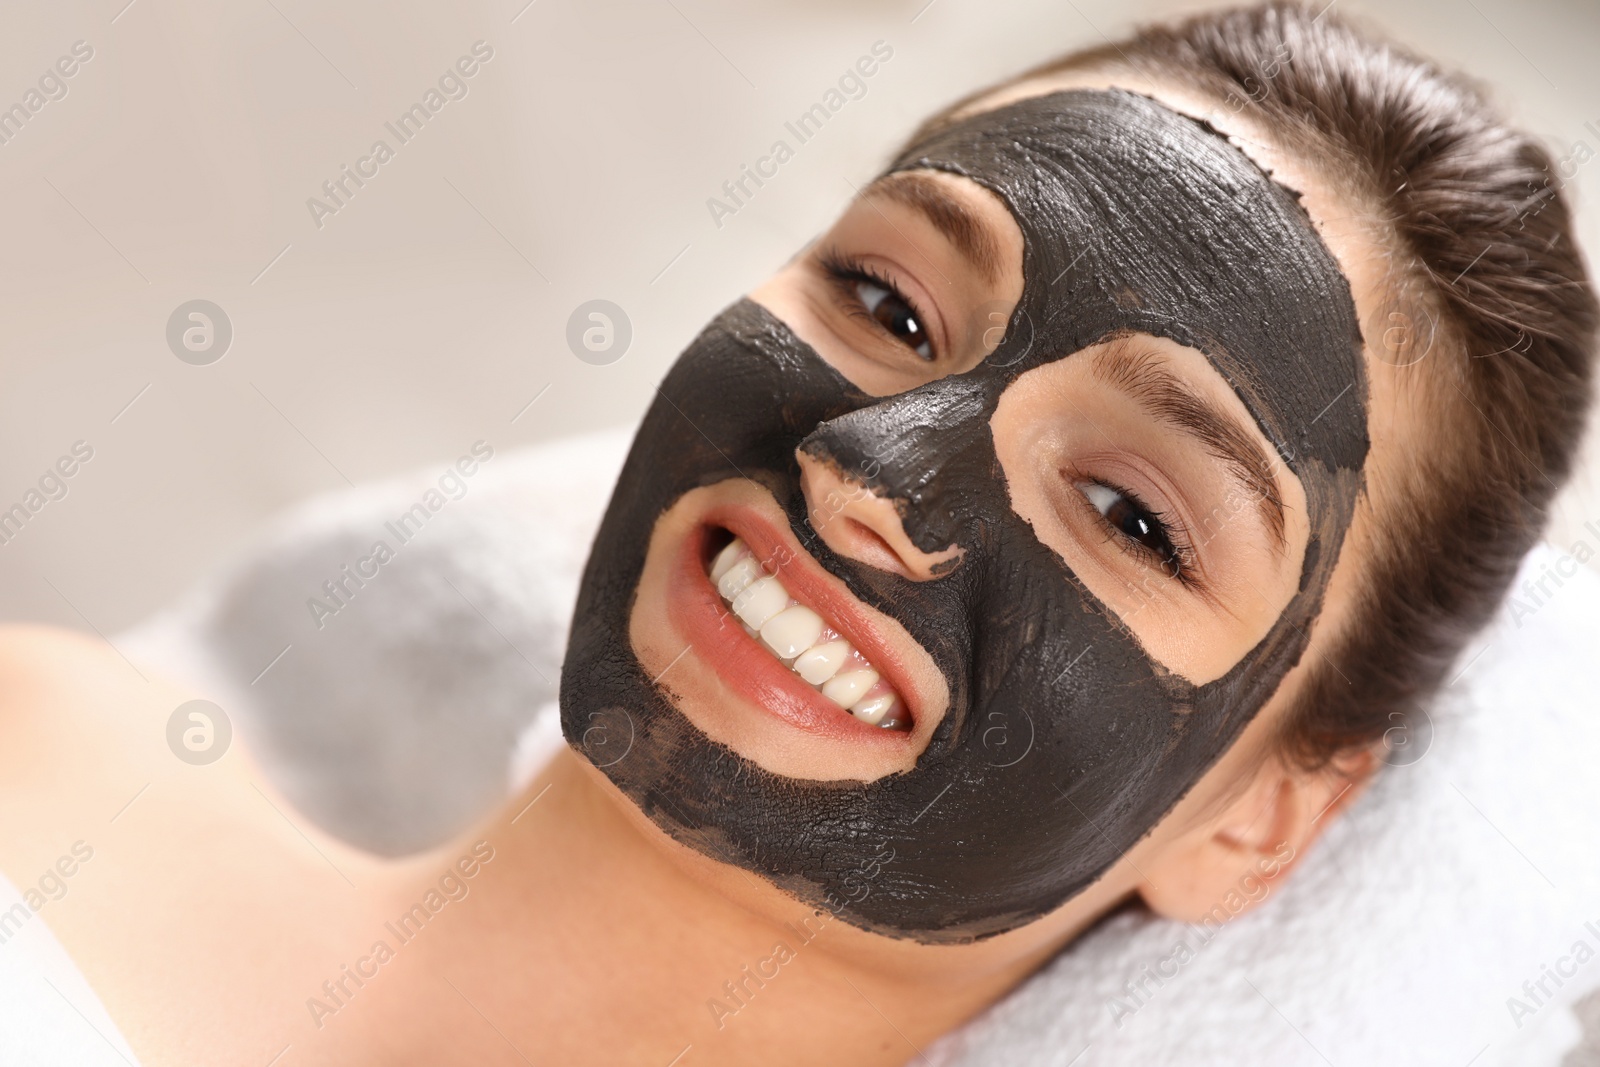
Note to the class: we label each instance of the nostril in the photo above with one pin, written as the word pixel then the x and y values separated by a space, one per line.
pixel 856 522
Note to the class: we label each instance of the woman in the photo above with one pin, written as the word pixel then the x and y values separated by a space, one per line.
pixel 1062 529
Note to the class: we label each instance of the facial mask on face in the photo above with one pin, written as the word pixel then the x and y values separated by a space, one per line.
pixel 1134 218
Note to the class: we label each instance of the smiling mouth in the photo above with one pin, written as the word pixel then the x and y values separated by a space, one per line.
pixel 746 692
pixel 798 637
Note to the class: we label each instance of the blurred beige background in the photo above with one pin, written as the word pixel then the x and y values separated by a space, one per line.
pixel 432 307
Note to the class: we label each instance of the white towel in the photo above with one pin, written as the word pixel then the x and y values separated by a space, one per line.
pixel 49 1017
pixel 1405 936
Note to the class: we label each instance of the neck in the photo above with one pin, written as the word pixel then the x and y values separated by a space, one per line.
pixel 591 937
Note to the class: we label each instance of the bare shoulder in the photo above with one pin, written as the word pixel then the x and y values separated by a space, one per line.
pixel 50 676
pixel 27 651
pixel 42 667
pixel 78 724
pixel 182 864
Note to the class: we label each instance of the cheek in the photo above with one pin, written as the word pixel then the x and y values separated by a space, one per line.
pixel 1063 744
pixel 1057 425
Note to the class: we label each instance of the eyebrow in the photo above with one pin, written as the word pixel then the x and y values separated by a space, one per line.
pixel 1139 372
pixel 945 212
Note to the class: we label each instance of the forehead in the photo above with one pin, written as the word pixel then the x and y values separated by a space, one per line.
pixel 1140 218
pixel 1352 231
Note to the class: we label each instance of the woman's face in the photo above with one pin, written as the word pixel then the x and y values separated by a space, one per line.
pixel 946 565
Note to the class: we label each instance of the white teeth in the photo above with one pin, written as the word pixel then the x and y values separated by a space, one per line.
pixel 848 687
pixel 817 665
pixel 872 709
pixel 760 601
pixel 792 631
pixel 726 559
pixel 737 576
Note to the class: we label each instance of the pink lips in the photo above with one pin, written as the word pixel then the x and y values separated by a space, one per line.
pixel 747 667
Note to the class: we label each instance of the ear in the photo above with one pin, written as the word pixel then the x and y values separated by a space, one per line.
pixel 1230 857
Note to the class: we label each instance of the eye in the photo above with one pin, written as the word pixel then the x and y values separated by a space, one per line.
pixel 1141 528
pixel 875 297
pixel 896 315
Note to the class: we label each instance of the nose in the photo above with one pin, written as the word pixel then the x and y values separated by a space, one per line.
pixel 861 524
pixel 910 471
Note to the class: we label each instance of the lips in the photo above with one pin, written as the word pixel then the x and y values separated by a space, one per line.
pixel 802 640
pixel 812 658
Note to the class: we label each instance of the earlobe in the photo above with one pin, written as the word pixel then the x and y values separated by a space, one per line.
pixel 1231 861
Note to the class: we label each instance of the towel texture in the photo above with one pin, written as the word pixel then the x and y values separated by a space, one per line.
pixel 49 1017
pixel 1451 917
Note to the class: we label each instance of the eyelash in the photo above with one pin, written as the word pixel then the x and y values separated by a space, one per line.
pixel 845 271
pixel 1182 551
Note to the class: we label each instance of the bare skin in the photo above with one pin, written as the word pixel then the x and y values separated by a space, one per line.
pixel 211 913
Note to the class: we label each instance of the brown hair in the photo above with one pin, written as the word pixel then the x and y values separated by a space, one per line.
pixel 1486 288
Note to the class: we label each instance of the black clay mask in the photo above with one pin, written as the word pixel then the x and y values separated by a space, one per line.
pixel 1135 219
